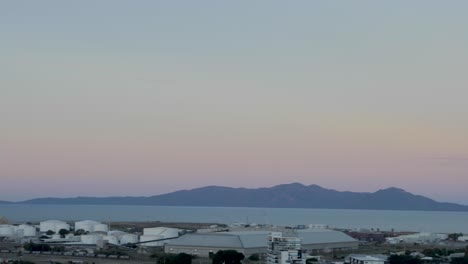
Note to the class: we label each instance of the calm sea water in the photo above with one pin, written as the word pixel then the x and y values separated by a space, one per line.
pixel 385 220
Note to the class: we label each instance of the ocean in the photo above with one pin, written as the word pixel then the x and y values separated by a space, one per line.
pixel 420 221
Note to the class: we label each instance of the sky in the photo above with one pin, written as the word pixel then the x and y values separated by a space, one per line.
pixel 102 98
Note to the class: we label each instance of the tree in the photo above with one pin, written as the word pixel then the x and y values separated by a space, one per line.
pixel 50 232
pixel 182 258
pixel 63 232
pixel 462 260
pixel 433 252
pixel 459 261
pixel 80 232
pixel 404 259
pixel 228 257
pixel 254 257
pixel 163 258
pixel 454 236
pixel 36 247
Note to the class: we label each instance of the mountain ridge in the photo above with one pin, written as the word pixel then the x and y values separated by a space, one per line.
pixel 292 195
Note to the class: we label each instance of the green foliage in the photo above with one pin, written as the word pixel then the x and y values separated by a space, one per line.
pixel 79 232
pixel 182 258
pixel 165 258
pixel 22 262
pixel 454 236
pixel 58 249
pixel 404 259
pixel 50 232
pixel 462 260
pixel 254 257
pixel 36 247
pixel 433 252
pixel 130 245
pixel 311 260
pixel 439 252
pixel 228 257
pixel 459 261
pixel 63 232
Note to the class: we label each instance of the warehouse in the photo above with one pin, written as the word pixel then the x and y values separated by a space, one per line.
pixel 325 241
pixel 209 243
pixel 248 243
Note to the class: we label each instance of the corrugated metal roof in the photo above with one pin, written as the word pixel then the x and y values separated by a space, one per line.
pixel 257 239
pixel 253 240
pixel 207 240
pixel 323 237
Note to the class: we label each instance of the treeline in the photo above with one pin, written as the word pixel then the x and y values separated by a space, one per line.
pixel 42 247
pixel 437 254
pixel 222 256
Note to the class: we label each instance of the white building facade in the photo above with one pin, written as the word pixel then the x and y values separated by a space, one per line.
pixel 284 250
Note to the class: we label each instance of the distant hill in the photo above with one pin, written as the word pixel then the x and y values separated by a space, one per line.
pixel 5 202
pixel 294 195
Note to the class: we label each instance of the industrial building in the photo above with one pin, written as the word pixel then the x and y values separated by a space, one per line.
pixel 205 244
pixel 253 242
pixel 316 241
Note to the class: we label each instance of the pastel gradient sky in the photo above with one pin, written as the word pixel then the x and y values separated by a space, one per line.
pixel 102 98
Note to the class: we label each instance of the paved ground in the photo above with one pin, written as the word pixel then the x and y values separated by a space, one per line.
pixel 65 259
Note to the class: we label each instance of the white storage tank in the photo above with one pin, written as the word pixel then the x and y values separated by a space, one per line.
pixel 26 230
pixel 128 238
pixel 86 228
pixel 19 232
pixel 86 225
pixel 116 233
pixel 162 232
pixel 91 239
pixel 101 228
pixel 111 239
pixel 53 225
pixel 7 231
